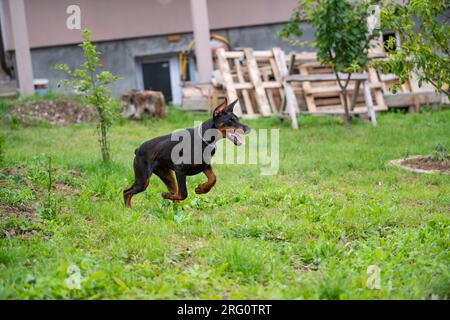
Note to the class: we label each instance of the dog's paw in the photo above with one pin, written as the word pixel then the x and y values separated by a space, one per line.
pixel 172 196
pixel 200 190
pixel 167 195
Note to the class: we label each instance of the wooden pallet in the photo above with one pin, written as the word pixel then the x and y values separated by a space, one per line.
pixel 200 97
pixel 257 78
pixel 228 81
pixel 241 77
pixel 368 108
pixel 408 94
pixel 327 94
pixel 289 100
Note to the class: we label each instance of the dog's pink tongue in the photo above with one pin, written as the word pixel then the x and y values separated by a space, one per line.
pixel 235 138
pixel 239 139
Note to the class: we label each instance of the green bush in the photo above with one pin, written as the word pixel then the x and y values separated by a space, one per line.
pixel 439 154
pixel 423 28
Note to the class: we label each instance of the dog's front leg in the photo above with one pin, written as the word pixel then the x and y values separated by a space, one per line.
pixel 205 187
pixel 181 194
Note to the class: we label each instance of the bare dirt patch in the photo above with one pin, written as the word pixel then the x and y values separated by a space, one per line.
pixel 18 211
pixel 13 171
pixel 73 173
pixel 421 164
pixel 59 112
pixel 63 188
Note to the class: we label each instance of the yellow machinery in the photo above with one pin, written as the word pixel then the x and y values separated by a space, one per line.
pixel 183 55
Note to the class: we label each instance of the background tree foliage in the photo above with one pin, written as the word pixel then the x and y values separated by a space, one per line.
pixel 424 30
pixel 93 85
pixel 341 35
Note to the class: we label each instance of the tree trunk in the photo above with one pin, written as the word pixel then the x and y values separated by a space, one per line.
pixel 103 138
pixel 347 117
pixel 104 143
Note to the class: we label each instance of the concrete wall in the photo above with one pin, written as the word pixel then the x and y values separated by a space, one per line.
pixel 265 37
pixel 121 57
pixel 123 19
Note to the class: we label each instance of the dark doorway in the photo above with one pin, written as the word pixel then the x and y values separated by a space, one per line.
pixel 387 38
pixel 157 78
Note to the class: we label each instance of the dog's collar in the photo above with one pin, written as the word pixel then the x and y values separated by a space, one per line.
pixel 201 136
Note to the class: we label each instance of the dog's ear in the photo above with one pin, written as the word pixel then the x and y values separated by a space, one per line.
pixel 231 106
pixel 221 108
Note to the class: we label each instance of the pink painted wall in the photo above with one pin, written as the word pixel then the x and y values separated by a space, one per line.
pixel 118 19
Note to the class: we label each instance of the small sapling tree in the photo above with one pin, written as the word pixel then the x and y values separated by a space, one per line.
pixel 342 36
pixel 94 87
pixel 49 207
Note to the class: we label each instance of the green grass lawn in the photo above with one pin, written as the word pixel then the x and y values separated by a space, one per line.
pixel 310 232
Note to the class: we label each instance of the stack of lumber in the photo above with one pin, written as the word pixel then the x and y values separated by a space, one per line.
pixel 258 80
pixel 324 97
pixel 200 97
pixel 408 94
pixel 252 76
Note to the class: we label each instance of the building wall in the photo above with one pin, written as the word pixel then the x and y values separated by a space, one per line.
pixel 124 19
pixel 122 57
pixel 119 56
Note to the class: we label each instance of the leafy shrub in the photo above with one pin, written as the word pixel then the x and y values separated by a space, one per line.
pixel 425 45
pixel 439 154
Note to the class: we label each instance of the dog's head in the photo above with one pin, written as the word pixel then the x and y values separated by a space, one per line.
pixel 228 123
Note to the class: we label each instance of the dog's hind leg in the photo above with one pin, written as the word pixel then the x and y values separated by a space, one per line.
pixel 142 174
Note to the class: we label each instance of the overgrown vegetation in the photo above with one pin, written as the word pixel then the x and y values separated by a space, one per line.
pixel 341 36
pixel 439 154
pixel 334 209
pixel 424 28
pixel 93 86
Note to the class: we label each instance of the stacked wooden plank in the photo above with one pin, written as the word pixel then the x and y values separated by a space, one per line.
pixel 199 96
pixel 408 94
pixel 325 97
pixel 258 80
pixel 241 76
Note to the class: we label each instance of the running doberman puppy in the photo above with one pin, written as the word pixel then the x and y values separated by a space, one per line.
pixel 162 157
